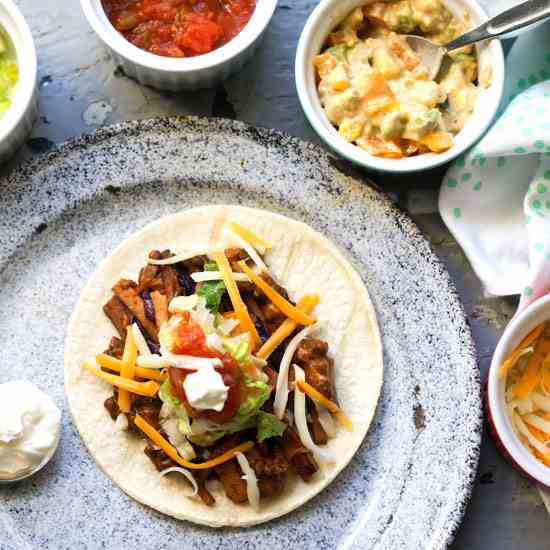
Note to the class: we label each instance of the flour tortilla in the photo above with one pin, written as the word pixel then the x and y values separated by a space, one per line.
pixel 303 261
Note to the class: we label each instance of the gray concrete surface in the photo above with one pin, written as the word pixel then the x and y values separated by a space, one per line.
pixel 82 90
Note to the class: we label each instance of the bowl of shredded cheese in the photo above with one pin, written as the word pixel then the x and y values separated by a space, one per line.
pixel 518 392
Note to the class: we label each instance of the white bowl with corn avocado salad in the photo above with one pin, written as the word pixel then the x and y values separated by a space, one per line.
pixel 370 98
pixel 18 79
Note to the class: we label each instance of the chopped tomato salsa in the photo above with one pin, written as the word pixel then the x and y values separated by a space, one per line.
pixel 188 338
pixel 232 378
pixel 179 28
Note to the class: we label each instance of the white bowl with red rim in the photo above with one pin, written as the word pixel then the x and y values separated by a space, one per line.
pixel 500 423
pixel 175 74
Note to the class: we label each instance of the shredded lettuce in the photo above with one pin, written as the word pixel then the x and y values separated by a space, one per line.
pixel 258 394
pixel 9 75
pixel 165 394
pixel 212 291
pixel 247 416
pixel 239 351
pixel 5 104
pixel 204 432
pixel 269 426
pixel 340 52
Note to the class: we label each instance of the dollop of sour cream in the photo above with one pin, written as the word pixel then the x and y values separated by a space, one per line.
pixel 29 428
pixel 205 389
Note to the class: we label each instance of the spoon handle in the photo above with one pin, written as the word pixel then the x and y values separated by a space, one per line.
pixel 510 20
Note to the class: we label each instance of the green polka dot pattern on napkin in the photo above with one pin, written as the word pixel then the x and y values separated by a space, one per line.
pixel 495 199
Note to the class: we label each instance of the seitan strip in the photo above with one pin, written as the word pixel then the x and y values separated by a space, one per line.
pixel 160 302
pixel 169 276
pixel 126 291
pixel 318 433
pixel 149 276
pixel 301 458
pixel 119 315
pixel 116 348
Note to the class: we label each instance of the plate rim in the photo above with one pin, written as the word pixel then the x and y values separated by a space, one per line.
pixel 64 149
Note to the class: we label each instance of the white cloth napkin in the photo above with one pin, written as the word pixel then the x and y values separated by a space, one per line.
pixel 495 199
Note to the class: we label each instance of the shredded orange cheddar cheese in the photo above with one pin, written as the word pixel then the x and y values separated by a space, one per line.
pixel 514 356
pixel 161 442
pixel 276 299
pixel 532 373
pixel 239 306
pixel 248 236
pixel 318 397
pixel 306 304
pixel 111 363
pixel 127 369
pixel 147 389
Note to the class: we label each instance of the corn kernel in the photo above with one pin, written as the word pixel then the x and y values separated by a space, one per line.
pixel 338 79
pixel 350 129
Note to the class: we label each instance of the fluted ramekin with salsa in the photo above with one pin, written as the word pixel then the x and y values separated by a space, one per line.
pixel 180 44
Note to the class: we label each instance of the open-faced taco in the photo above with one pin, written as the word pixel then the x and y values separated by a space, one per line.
pixel 243 365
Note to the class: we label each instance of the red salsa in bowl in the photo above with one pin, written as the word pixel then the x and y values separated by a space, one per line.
pixel 179 28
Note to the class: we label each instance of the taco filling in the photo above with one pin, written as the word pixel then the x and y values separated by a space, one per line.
pixel 220 371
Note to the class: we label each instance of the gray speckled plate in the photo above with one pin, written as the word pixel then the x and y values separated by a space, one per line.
pixel 60 215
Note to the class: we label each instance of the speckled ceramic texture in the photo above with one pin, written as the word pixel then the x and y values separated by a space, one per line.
pixel 409 483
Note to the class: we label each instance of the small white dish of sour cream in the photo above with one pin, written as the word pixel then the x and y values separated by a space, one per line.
pixel 30 428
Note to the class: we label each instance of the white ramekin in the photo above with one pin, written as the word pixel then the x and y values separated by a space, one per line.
pixel 191 73
pixel 325 17
pixel 17 122
pixel 500 423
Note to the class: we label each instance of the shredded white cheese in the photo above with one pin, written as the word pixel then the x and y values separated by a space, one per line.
pixel 140 341
pixel 300 418
pixel 185 473
pixel 533 441
pixel 152 362
pixel 541 401
pixel 215 341
pixel 203 276
pixel 181 304
pixel 539 423
pixel 252 490
pixel 177 258
pixel 258 361
pixel 170 425
pixel 281 392
pixel 226 326
pixel 121 422
pixel 249 249
pixel 326 420
pixel 189 362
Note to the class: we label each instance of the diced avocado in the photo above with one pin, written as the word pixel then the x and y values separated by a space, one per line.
pixel 9 75
pixel 393 125
pixel 463 57
pixel 5 104
pixel 359 54
pixel 354 20
pixel 422 123
pixel 427 92
pixel 340 52
pixel 338 78
pixel 342 104
pixel 400 17
pixel 386 63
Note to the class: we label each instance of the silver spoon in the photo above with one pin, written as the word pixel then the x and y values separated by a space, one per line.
pixel 510 20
